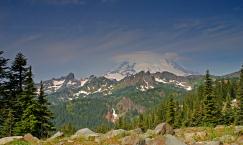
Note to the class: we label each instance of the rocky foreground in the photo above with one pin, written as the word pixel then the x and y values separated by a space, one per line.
pixel 163 134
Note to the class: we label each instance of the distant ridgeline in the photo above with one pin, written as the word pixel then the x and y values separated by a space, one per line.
pixel 139 99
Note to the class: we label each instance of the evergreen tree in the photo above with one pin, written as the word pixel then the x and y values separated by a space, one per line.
pixel 211 113
pixel 239 111
pixel 27 103
pixel 170 111
pixel 3 74
pixel 44 116
pixel 3 94
pixel 28 95
pixel 18 72
pixel 228 112
pixel 17 76
pixel 8 124
pixel 28 122
pixel 197 117
pixel 178 116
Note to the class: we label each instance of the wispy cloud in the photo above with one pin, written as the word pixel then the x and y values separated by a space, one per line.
pixel 71 2
pixel 62 2
pixel 146 56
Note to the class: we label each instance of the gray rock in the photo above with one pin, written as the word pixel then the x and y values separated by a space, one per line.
pixel 240 139
pixel 136 131
pixel 85 132
pixel 159 140
pixel 214 143
pixel 30 138
pixel 239 130
pixel 9 139
pixel 149 134
pixel 190 137
pixel 115 133
pixel 172 140
pixel 227 138
pixel 164 128
pixel 132 140
pixel 56 135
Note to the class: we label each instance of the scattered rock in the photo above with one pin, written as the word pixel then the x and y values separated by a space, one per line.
pixel 172 140
pixel 160 140
pixel 219 127
pixel 198 143
pixel 30 138
pixel 164 128
pixel 56 135
pixel 227 138
pixel 149 134
pixel 214 143
pixel 86 133
pixel 132 140
pixel 115 133
pixel 136 131
pixel 191 137
pixel 9 139
pixel 240 139
pixel 239 130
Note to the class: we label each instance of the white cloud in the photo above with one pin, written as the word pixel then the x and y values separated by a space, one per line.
pixel 146 56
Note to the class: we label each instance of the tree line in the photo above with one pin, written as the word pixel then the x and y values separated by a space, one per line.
pixel 23 108
pixel 214 102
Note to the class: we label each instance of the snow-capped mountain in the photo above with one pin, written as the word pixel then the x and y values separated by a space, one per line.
pixel 55 84
pixel 128 68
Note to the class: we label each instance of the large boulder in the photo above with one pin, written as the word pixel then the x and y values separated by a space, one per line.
pixel 6 140
pixel 30 138
pixel 164 128
pixel 86 133
pixel 56 135
pixel 115 133
pixel 172 140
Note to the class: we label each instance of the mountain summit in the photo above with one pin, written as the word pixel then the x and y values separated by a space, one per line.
pixel 127 68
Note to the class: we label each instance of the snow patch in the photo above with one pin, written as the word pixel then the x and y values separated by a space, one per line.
pixel 115 116
pixel 83 82
pixel 81 92
pixel 161 80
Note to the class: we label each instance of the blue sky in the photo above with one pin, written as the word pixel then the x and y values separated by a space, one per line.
pixel 87 36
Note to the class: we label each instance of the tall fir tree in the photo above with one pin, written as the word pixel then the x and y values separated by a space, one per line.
pixel 211 112
pixel 8 123
pixel 239 110
pixel 228 113
pixel 44 116
pixel 17 76
pixel 178 115
pixel 170 111
pixel 28 95
pixel 29 107
pixel 3 93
